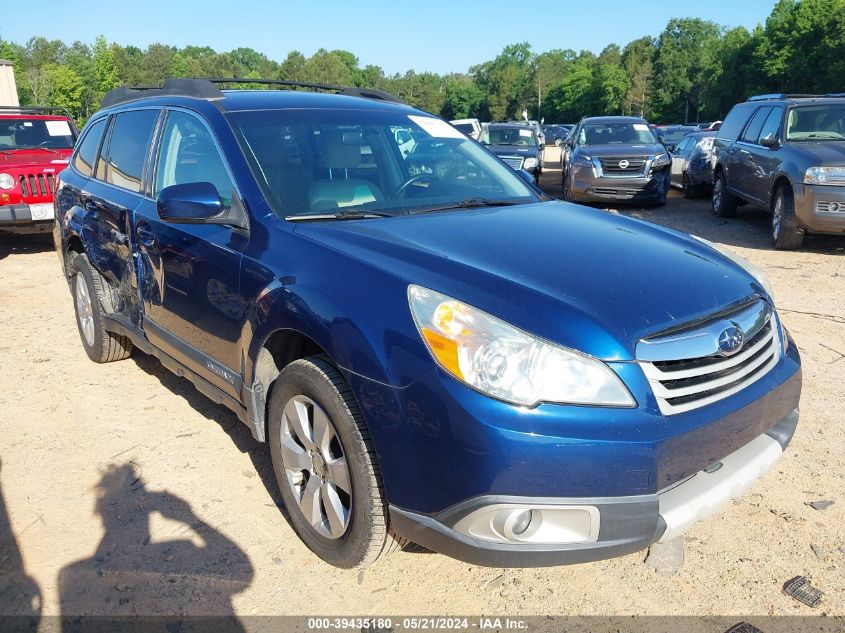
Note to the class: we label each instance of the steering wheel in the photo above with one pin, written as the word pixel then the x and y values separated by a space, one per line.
pixel 400 191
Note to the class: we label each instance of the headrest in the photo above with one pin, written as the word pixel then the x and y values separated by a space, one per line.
pixel 340 155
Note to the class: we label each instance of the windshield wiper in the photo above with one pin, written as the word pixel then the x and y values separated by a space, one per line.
pixel 49 149
pixel 467 203
pixel 349 214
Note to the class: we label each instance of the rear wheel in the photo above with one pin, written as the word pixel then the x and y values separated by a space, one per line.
pixel 786 233
pixel 325 466
pixel 89 293
pixel 723 202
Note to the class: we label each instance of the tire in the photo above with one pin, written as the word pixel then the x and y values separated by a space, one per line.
pixel 723 203
pixel 663 193
pixel 89 296
pixel 564 185
pixel 787 235
pixel 688 190
pixel 306 390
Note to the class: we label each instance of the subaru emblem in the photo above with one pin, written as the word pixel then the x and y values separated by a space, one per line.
pixel 623 164
pixel 731 340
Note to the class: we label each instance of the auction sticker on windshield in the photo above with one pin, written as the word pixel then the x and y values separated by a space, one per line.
pixel 436 127
pixel 58 128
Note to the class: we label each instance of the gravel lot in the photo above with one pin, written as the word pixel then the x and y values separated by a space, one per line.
pixel 129 492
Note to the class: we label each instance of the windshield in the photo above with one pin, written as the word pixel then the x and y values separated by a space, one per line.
pixel 23 133
pixel 816 122
pixel 325 161
pixel 616 134
pixel 523 136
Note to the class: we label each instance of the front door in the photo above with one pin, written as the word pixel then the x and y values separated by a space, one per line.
pixel 193 307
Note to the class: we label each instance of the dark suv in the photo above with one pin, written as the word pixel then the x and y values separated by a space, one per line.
pixel 432 349
pixel 784 153
pixel 614 159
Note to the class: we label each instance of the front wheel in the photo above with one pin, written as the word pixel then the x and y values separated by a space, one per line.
pixel 325 466
pixel 786 233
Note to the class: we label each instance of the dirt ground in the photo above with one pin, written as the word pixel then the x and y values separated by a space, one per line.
pixel 127 491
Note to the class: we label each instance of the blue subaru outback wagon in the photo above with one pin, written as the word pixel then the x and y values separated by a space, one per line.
pixel 434 351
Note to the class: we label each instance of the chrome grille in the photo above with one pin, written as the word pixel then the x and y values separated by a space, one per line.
pixel 687 370
pixel 514 162
pixel 614 166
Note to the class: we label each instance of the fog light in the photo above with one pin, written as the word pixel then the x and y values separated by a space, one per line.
pixel 522 521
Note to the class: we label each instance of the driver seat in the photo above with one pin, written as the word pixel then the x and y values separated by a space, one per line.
pixel 342 153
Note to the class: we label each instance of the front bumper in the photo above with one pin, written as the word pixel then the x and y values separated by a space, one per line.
pixel 24 218
pixel 587 186
pixel 616 525
pixel 820 208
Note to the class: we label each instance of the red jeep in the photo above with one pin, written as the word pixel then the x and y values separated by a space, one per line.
pixel 35 144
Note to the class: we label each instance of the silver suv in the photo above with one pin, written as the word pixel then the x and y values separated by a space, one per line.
pixel 614 159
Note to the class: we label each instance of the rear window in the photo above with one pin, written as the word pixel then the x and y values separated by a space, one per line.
pixel 87 153
pixel 735 121
pixel 130 140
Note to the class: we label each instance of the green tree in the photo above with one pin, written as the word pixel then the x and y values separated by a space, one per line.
pixel 638 64
pixel 65 88
pixel 328 67
pixel 610 81
pixel 685 60
pixel 105 71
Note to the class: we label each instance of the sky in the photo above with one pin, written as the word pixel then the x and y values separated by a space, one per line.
pixel 398 35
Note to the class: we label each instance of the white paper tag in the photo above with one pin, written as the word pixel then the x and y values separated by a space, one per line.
pixel 58 128
pixel 525 133
pixel 640 127
pixel 27 123
pixel 436 127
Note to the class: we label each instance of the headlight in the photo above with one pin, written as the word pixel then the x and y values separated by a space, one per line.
pixel 530 163
pixel 825 176
pixel 582 160
pixel 504 362
pixel 661 161
pixel 6 181
pixel 743 263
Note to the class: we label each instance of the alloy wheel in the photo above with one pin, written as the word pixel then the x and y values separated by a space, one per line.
pixel 84 309
pixel 717 194
pixel 315 466
pixel 777 216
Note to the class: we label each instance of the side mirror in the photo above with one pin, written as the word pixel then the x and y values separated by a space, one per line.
pixel 192 202
pixel 770 141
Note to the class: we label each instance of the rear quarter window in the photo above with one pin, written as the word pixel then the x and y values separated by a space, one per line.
pixel 87 152
pixel 735 121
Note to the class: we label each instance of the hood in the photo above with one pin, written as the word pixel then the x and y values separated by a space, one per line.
pixel 587 279
pixel 817 153
pixel 622 151
pixel 513 150
pixel 33 157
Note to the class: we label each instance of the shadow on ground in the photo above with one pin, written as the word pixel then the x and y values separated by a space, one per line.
pixel 196 573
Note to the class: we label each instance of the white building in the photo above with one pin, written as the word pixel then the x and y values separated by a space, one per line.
pixel 8 89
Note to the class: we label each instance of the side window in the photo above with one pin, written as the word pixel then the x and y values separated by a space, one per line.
pixel 752 132
pixel 734 122
pixel 772 124
pixel 87 152
pixel 130 140
pixel 188 154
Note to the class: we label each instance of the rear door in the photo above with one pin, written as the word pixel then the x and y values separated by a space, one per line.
pixel 193 309
pixel 111 197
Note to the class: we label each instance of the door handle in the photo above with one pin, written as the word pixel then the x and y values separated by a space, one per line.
pixel 145 236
